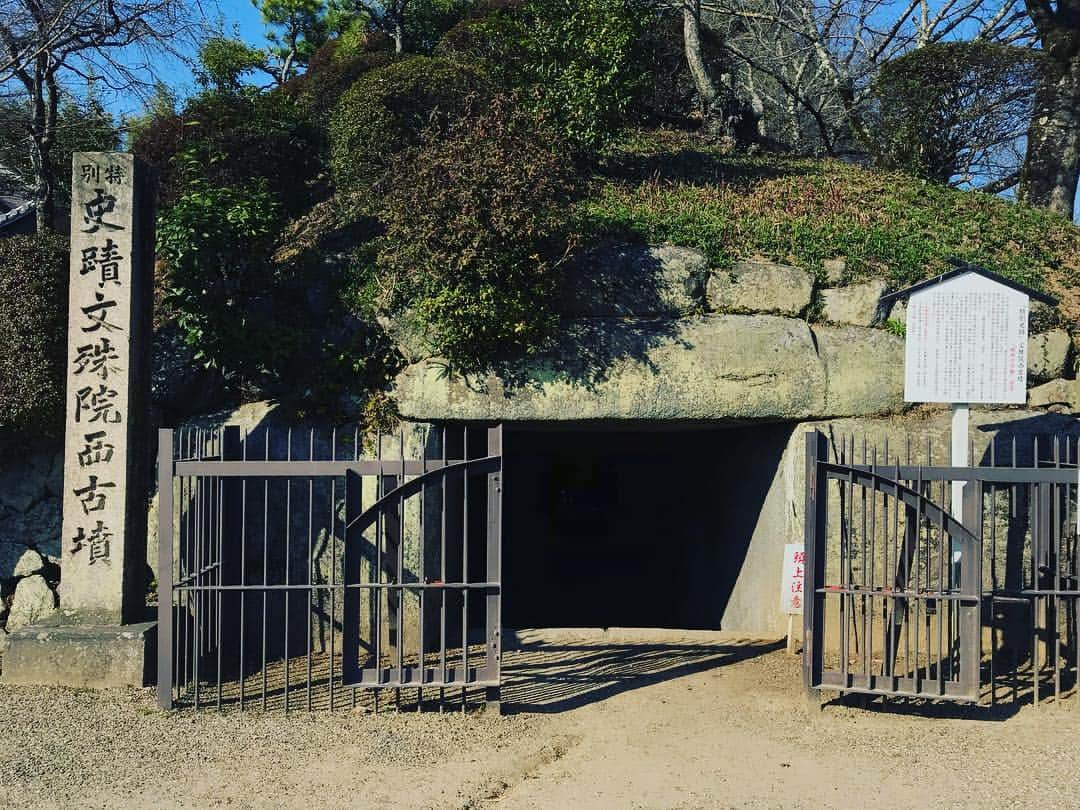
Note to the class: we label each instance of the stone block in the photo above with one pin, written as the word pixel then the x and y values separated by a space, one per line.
pixel 33 601
pixel 761 287
pixel 864 369
pixel 82 656
pixel 1056 392
pixel 898 312
pixel 858 304
pixel 30 562
pixel 835 270
pixel 1047 354
pixel 631 280
pixel 715 367
pixel 106 467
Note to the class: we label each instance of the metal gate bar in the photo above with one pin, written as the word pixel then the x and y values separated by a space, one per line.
pixel 882 551
pixel 274 544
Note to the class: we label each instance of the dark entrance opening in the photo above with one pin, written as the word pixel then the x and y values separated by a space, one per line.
pixel 631 528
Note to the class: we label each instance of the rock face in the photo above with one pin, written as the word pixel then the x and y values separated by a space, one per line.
pixel 864 369
pixel 898 312
pixel 1048 354
pixel 834 270
pixel 1056 392
pixel 761 287
pixel 409 336
pixel 639 281
pixel 716 367
pixel 34 600
pixel 30 487
pixel 856 305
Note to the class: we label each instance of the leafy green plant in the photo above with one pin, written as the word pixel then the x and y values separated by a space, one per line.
pixel 475 230
pixel 224 62
pixel 230 139
pixel 387 109
pixel 33 333
pixel 492 40
pixel 331 71
pixel 581 63
pixel 215 244
pixel 897 327
pixel 584 57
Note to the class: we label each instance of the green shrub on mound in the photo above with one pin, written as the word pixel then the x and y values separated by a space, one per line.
pixel 475 229
pixel 232 139
pixel 331 71
pixel 386 110
pixel 33 331
pixel 493 40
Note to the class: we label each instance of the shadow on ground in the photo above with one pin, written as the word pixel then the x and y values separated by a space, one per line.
pixel 551 677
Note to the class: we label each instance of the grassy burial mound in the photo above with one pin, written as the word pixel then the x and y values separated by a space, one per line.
pixel 670 187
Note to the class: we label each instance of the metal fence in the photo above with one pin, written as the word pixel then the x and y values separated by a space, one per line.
pixel 906 599
pixel 319 569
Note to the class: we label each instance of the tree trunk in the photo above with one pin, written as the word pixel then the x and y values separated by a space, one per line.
pixel 1052 163
pixel 44 101
pixel 399 36
pixel 711 113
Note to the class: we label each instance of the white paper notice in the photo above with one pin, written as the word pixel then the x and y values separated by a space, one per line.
pixel 967 342
pixel 791 585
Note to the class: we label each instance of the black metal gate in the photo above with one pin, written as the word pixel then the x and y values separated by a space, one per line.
pixel 905 600
pixel 301 569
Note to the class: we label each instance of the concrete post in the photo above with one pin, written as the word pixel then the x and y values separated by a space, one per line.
pixel 100 635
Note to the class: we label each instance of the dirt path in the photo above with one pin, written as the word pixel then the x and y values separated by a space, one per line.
pixel 678 721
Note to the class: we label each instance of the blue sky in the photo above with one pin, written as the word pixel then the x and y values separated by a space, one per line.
pixel 234 17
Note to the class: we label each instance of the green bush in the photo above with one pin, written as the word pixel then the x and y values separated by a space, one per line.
pixel 230 139
pixel 388 109
pixel 215 243
pixel 954 109
pixel 33 331
pixel 493 40
pixel 272 327
pixel 475 228
pixel 331 71
pixel 585 57
pixel 426 23
pixel 584 60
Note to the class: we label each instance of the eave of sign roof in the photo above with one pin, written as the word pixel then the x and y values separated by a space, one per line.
pixel 15 214
pixel 961 269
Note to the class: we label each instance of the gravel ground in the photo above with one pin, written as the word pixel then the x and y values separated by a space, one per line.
pixel 666 722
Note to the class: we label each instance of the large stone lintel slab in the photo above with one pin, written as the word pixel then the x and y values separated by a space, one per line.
pixel 82 656
pixel 864 369
pixel 705 368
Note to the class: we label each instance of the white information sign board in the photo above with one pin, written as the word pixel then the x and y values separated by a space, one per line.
pixel 791 586
pixel 967 342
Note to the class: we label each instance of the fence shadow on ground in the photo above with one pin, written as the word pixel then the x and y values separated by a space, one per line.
pixel 1000 698
pixel 552 677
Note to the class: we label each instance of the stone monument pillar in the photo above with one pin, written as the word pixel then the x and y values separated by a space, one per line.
pixel 100 636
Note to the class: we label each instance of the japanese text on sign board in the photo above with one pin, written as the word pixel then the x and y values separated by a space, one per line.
pixel 966 343
pixel 98 362
pixel 791 585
